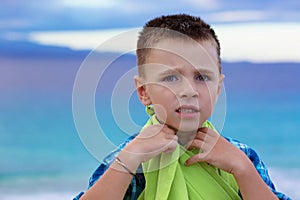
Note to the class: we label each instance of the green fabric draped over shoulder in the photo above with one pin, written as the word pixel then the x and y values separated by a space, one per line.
pixel 167 178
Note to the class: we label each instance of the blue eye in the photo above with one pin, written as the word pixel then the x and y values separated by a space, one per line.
pixel 170 78
pixel 201 77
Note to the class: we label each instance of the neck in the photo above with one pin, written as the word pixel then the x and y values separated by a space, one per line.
pixel 186 138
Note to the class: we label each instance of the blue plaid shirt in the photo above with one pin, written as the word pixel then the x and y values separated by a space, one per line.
pixel 137 184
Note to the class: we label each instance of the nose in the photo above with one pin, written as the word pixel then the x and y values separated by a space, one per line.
pixel 188 89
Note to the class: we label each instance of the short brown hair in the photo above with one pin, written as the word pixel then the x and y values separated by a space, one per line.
pixel 167 26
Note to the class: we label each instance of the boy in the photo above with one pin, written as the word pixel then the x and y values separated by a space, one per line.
pixel 178 154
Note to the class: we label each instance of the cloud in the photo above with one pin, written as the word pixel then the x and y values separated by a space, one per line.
pixel 97 14
pixel 95 4
pixel 103 40
pixel 205 4
pixel 260 42
pixel 255 42
pixel 238 16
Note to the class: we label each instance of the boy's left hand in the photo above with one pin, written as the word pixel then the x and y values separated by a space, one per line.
pixel 217 151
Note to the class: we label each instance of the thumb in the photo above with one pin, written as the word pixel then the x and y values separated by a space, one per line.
pixel 196 158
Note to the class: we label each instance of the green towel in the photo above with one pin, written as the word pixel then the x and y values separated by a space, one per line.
pixel 175 181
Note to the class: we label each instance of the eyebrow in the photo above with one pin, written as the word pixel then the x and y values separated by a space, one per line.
pixel 178 70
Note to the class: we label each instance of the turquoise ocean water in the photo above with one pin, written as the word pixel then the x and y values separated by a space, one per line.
pixel 43 156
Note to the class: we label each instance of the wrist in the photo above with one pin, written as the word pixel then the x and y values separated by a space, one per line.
pixel 129 160
pixel 243 167
pixel 119 161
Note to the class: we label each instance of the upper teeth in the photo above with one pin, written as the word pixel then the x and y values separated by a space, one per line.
pixel 186 110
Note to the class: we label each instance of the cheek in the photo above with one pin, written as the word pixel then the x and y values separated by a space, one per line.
pixel 208 99
pixel 161 93
pixel 160 112
pixel 207 105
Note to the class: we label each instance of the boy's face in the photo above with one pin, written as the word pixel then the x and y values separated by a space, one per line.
pixel 182 81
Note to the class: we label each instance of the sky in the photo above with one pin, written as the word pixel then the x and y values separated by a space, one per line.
pixel 16 15
pixel 259 26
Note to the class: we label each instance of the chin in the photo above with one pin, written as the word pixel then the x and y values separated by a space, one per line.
pixel 188 127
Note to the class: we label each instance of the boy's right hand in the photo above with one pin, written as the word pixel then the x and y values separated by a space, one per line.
pixel 152 141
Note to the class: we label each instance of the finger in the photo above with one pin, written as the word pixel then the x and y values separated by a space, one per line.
pixel 200 135
pixel 171 147
pixel 212 133
pixel 172 128
pixel 171 137
pixel 168 130
pixel 194 159
pixel 150 131
pixel 203 129
pixel 196 144
pixel 169 133
pixel 206 133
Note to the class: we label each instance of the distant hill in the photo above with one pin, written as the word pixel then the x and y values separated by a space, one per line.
pixel 262 77
pixel 61 64
pixel 33 50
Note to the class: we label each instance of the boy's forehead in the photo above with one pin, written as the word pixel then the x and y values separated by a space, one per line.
pixel 199 55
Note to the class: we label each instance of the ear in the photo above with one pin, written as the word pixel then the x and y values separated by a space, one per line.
pixel 222 76
pixel 142 91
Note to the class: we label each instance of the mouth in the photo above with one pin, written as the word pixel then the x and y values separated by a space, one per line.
pixel 187 109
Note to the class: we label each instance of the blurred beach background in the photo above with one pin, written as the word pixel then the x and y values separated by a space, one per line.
pixel 43 45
